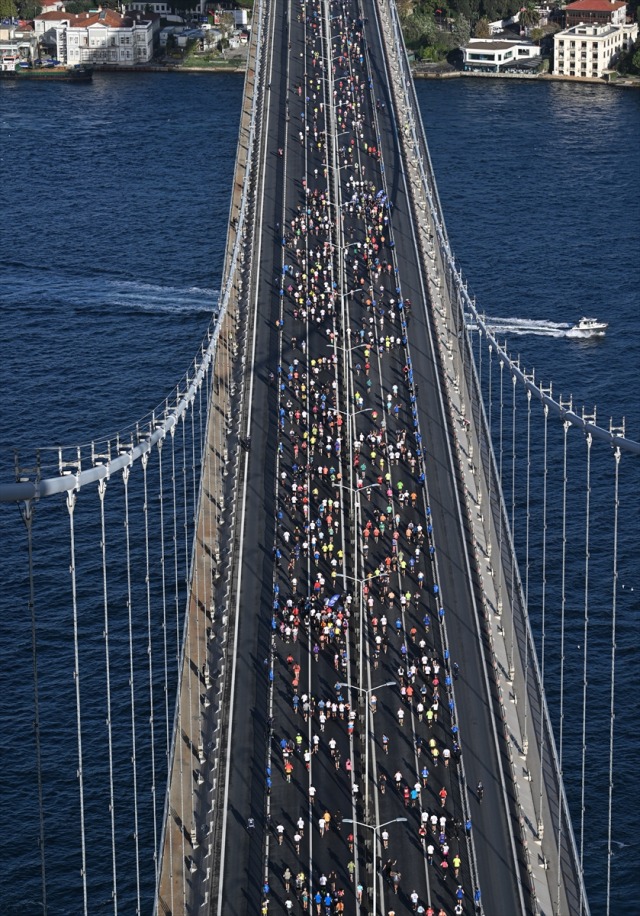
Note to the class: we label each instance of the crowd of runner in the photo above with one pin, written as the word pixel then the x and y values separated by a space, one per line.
pixel 351 505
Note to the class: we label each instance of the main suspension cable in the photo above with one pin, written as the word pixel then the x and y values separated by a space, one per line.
pixel 71 504
pixel 125 479
pixel 500 507
pixel 566 426
pixel 584 666
pixel 613 671
pixel 178 681
pixel 145 462
pixel 543 610
pixel 166 667
pixel 102 489
pixel 525 736
pixel 27 514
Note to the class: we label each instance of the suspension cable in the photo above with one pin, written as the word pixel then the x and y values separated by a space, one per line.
pixel 490 384
pixel 102 489
pixel 513 463
pixel 27 517
pixel 166 666
pixel 179 683
pixel 187 633
pixel 145 462
pixel 613 670
pixel 525 736
pixel 71 504
pixel 513 518
pixel 125 478
pixel 584 666
pixel 500 507
pixel 543 609
pixel 566 426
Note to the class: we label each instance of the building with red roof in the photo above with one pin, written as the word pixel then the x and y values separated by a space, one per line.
pixel 597 12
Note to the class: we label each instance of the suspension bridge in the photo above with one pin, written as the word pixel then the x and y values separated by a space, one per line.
pixel 306 665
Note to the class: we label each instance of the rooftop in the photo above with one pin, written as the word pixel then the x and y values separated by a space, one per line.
pixel 109 18
pixel 596 6
pixel 590 28
pixel 485 44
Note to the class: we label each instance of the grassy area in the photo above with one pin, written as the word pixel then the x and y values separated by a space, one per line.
pixel 211 61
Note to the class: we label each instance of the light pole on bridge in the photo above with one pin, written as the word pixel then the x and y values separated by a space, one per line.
pixel 375 828
pixel 367 691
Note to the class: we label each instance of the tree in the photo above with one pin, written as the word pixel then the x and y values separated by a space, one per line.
pixel 8 9
pixel 462 31
pixel 405 8
pixel 482 29
pixel 536 35
pixel 529 16
pixel 28 10
pixel 419 29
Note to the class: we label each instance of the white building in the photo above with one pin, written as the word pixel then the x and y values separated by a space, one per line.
pixel 589 50
pixel 47 22
pixel 491 55
pixel 163 9
pixel 106 37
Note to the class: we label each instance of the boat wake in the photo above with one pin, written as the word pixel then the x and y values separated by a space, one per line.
pixel 522 326
pixel 150 297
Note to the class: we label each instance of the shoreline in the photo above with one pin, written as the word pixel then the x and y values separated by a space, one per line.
pixel 622 82
pixel 625 82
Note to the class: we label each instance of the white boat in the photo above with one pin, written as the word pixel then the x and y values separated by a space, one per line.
pixel 591 326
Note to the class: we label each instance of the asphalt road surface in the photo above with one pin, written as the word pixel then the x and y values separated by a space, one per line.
pixel 339 530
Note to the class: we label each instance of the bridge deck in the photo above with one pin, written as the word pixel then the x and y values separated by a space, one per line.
pixel 313 77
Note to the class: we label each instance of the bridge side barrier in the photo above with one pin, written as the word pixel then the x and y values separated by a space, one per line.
pixel 223 437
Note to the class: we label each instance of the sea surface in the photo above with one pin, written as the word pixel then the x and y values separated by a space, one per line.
pixel 114 199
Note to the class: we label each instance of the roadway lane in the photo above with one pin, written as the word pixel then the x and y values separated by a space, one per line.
pixel 475 707
pixel 273 521
pixel 407 748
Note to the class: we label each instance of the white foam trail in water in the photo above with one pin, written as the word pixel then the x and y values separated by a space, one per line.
pixel 529 326
pixel 170 299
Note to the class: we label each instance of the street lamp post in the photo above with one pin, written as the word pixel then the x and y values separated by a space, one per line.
pixel 366 692
pixel 375 828
pixel 361 610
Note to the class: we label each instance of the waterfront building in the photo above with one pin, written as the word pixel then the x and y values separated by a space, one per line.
pixel 49 21
pixel 16 43
pixel 597 12
pixel 589 50
pixel 493 55
pixel 101 37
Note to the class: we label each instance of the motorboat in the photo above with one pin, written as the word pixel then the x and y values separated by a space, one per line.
pixel 591 326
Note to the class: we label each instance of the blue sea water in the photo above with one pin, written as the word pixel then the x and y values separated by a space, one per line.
pixel 115 200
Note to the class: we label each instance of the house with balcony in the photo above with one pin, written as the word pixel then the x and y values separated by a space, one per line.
pixel 588 50
pixel 106 37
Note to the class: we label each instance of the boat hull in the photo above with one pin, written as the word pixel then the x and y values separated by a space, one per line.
pixel 79 75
